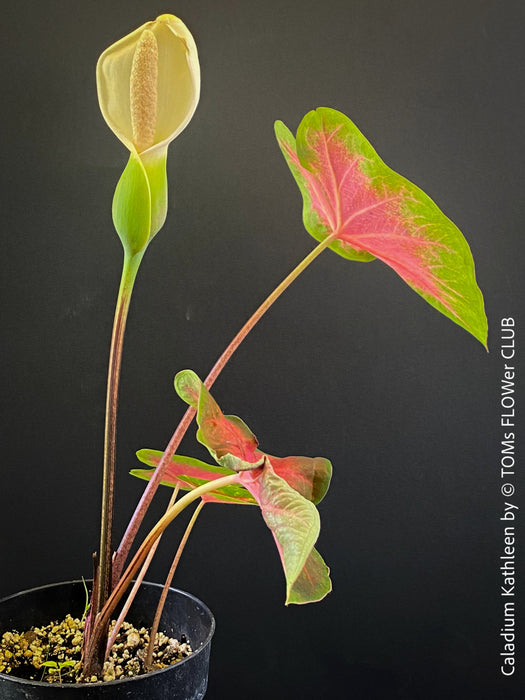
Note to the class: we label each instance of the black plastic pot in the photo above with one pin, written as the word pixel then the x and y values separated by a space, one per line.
pixel 183 614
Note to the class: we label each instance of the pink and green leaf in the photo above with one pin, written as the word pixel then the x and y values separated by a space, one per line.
pixel 310 476
pixel 294 523
pixel 373 212
pixel 232 443
pixel 188 473
pixel 183 465
pixel 313 583
pixel 188 387
pixel 228 438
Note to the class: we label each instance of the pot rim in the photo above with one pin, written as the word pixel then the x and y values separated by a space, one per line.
pixel 60 686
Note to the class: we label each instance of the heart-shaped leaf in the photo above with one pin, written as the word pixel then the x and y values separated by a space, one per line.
pixel 372 212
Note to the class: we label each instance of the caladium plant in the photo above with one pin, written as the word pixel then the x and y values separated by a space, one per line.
pixel 354 205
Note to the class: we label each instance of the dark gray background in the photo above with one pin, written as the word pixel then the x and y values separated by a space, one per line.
pixel 350 364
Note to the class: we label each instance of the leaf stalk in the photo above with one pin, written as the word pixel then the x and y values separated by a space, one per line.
pixel 167 584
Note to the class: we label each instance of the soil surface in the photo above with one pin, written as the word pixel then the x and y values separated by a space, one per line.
pixel 52 653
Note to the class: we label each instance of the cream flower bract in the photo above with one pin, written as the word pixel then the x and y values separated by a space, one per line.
pixel 148 89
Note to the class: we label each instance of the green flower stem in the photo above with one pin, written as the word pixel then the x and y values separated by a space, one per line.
pixel 167 584
pixel 91 663
pixel 129 273
pixel 122 552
